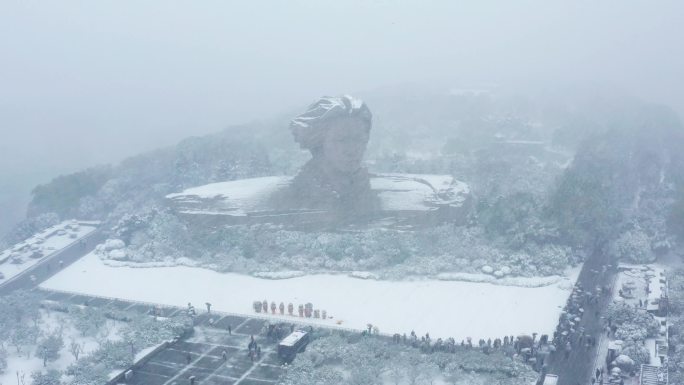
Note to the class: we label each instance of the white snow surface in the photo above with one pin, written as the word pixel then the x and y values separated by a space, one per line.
pixel 278 274
pixel 236 197
pixel 46 242
pixel 442 308
pixel 418 192
pixel 51 322
pixel 529 282
pixel 397 192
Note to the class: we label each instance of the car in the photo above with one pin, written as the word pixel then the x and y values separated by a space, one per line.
pixel 36 255
pixel 61 232
pixel 2 276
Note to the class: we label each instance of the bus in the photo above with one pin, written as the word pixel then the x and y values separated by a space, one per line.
pixel 292 344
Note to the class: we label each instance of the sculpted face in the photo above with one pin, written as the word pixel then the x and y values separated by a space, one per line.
pixel 344 145
pixel 336 131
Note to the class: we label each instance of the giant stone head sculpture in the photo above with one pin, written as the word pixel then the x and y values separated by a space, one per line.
pixel 336 131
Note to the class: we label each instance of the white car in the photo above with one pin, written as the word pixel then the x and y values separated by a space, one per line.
pixel 61 232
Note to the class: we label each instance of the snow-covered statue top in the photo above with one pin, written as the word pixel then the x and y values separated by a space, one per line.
pixel 336 131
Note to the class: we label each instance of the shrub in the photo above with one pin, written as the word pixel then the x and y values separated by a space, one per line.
pixel 638 353
pixel 49 347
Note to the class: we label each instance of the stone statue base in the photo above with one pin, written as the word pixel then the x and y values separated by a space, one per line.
pixel 402 200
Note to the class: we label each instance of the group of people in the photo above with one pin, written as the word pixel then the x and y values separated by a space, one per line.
pixel 569 333
pixel 306 310
pixel 254 350
pixel 276 332
pixel 526 346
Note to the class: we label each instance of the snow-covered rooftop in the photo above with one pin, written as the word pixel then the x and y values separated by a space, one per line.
pixel 293 338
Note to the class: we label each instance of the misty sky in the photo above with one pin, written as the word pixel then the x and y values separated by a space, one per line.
pixel 90 82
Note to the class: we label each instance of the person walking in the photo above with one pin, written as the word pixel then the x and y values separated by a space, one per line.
pixel 208 307
pixel 224 354
pixel 230 330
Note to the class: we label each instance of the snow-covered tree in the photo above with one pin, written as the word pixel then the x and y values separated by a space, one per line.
pixel 631 332
pixel 51 377
pixel 633 324
pixel 637 352
pixel 49 347
pixel 75 349
pixel 305 372
pixel 87 320
pixel 3 359
pixel 634 246
pixel 23 335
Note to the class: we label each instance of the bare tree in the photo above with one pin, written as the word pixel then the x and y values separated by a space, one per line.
pixel 75 349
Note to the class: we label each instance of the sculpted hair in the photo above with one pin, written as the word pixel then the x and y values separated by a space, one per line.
pixel 310 128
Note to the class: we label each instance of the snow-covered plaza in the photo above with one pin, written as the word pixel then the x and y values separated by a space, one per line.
pixel 442 308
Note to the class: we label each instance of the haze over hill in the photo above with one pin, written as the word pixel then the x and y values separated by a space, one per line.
pixel 92 83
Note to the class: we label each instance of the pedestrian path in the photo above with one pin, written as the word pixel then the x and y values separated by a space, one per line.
pixel 579 366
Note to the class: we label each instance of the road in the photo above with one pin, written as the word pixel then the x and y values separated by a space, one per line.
pixel 50 266
pixel 579 367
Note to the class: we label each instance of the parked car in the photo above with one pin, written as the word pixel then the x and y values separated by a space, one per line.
pixel 36 255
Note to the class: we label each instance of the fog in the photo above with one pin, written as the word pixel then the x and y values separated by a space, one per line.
pixel 86 83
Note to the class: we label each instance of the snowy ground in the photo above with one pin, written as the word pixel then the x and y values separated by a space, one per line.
pixel 442 308
pixel 18 258
pixel 397 192
pixel 27 362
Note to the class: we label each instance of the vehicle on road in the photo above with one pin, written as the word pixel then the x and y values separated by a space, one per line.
pixel 550 379
pixel 294 343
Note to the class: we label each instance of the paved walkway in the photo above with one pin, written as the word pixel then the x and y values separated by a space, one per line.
pixel 170 366
pixel 579 367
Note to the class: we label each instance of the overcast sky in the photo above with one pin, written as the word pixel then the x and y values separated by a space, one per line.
pixel 89 82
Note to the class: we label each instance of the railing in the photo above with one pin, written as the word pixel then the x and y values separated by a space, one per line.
pixel 294 319
pixel 121 377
